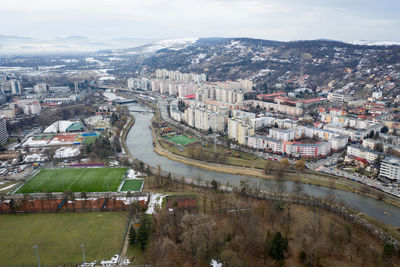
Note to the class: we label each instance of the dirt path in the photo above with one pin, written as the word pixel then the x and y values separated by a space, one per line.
pixel 126 243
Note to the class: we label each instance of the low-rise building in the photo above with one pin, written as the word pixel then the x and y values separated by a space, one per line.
pixel 278 108
pixel 340 97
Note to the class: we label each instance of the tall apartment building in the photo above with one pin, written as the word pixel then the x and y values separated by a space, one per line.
pixel 15 87
pixel 181 77
pixel 390 168
pixel 3 131
pixel 202 118
pixel 40 88
pixel 138 83
pixel 239 129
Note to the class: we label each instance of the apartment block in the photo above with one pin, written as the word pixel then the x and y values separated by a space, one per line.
pixel 390 168
pixel 278 108
pixel 138 83
pixel 283 135
pixel 362 152
pixel 3 131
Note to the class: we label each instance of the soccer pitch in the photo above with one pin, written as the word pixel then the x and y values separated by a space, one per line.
pixel 75 180
pixel 132 185
pixel 59 237
pixel 182 139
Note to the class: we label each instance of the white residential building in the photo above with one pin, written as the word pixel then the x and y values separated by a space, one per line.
pixel 362 152
pixel 239 129
pixel 28 106
pixel 390 168
pixel 284 135
pixel 15 87
pixel 138 83
pixel 377 94
pixel 341 97
pixel 40 88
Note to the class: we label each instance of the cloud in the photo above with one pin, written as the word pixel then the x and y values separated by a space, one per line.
pixel 269 19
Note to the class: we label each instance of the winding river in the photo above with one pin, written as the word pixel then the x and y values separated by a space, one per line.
pixel 140 144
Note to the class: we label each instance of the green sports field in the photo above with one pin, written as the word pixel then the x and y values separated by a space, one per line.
pixel 90 139
pixel 59 237
pixel 132 185
pixel 182 139
pixel 75 180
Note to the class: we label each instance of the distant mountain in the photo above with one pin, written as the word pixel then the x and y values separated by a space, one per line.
pixel 16 45
pixel 358 68
pixel 313 63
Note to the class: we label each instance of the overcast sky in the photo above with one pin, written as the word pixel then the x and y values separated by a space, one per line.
pixel 163 19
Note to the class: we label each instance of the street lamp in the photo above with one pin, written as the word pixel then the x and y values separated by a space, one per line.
pixel 37 254
pixel 83 253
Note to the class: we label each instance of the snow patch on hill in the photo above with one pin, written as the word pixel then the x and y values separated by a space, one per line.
pixel 173 44
pixel 371 43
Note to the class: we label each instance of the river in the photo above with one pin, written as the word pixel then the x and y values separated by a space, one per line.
pixel 140 143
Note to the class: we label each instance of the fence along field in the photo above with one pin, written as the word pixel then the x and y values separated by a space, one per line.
pixel 75 180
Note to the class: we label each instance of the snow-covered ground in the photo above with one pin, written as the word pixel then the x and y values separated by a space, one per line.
pixel 111 96
pixel 66 152
pixel 97 119
pixel 132 174
pixel 59 141
pixel 130 200
pixel 370 43
pixel 31 142
pixel 173 44
pixel 35 158
pixel 155 201
pixel 7 187
pixel 215 263
pixel 107 78
pixel 58 127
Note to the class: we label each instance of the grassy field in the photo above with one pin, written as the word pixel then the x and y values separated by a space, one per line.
pixel 245 159
pixel 132 185
pixel 75 180
pixel 90 139
pixel 59 237
pixel 182 139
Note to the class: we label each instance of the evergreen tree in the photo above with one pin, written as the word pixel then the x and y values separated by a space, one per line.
pixel 278 247
pixel 143 232
pixel 132 236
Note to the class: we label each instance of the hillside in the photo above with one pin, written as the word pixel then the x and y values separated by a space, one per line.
pixel 316 63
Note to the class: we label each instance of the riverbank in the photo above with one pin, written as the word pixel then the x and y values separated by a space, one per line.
pixel 305 177
pixel 325 181
pixel 125 132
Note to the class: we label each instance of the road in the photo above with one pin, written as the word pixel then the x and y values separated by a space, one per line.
pixel 328 166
